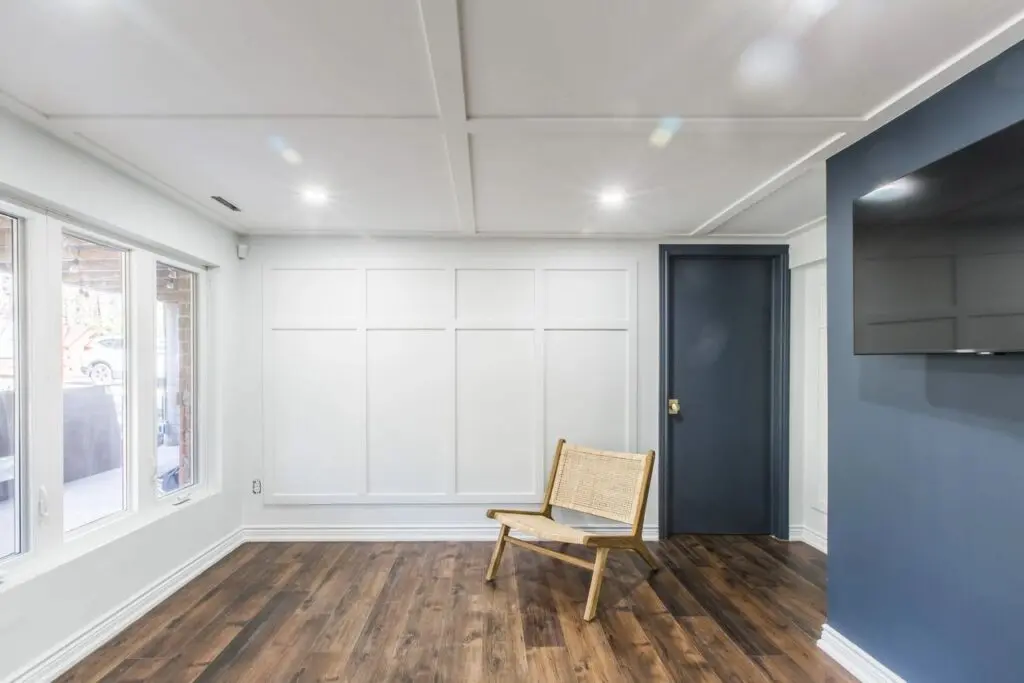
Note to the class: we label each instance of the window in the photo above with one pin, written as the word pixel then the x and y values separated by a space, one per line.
pixel 11 541
pixel 175 378
pixel 94 298
pixel 99 344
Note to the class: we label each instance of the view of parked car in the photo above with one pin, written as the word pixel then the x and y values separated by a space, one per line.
pixel 103 360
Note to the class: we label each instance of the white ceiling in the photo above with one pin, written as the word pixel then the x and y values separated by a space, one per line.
pixel 488 116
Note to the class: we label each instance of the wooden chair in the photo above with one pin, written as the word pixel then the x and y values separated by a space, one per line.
pixel 601 483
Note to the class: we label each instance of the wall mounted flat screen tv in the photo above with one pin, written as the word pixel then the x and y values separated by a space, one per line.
pixel 938 255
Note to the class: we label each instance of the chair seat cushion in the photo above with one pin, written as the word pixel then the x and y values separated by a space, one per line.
pixel 543 528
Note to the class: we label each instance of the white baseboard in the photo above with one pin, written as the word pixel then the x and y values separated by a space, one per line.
pixel 859 663
pixel 398 532
pixel 809 536
pixel 68 653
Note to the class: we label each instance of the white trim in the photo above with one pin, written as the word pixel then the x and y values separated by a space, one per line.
pixel 815 540
pixel 807 245
pixel 859 663
pixel 806 227
pixel 401 532
pixel 68 653
pixel 802 534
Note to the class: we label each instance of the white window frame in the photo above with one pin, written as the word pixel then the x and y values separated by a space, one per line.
pixel 19 487
pixel 43 543
pixel 129 477
pixel 182 493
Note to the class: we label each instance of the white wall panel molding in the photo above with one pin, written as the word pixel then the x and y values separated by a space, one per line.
pixel 441 381
pixel 809 403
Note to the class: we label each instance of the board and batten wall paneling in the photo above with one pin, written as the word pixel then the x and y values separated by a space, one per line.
pixel 497 410
pixel 409 414
pixel 409 296
pixel 598 295
pixel 297 299
pixel 441 381
pixel 314 382
pixel 508 295
pixel 586 380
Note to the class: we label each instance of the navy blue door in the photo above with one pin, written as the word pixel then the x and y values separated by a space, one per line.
pixel 720 336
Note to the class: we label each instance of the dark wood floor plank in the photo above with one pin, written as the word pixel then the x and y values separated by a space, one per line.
pixel 634 652
pixel 589 653
pixel 472 599
pixel 729 662
pixel 721 610
pixel 415 654
pixel 348 618
pixel 802 601
pixel 376 642
pixel 540 623
pixel 713 593
pixel 232 664
pixel 793 643
pixel 799 557
pixel 673 594
pixel 241 599
pixel 126 644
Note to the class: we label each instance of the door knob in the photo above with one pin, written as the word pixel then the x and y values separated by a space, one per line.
pixel 673 406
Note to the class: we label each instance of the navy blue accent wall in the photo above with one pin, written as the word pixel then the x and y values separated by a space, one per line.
pixel 926 453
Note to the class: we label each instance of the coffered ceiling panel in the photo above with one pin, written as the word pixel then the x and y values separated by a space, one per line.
pixel 793 205
pixel 375 177
pixel 709 57
pixel 554 183
pixel 691 117
pixel 165 57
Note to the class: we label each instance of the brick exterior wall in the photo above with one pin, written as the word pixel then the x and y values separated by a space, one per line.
pixel 176 289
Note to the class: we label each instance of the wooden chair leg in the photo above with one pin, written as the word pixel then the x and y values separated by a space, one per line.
pixel 499 548
pixel 595 584
pixel 645 553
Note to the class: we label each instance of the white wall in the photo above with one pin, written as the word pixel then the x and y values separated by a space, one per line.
pixel 808 448
pixel 465 360
pixel 41 606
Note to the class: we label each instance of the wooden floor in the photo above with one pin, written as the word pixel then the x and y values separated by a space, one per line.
pixel 721 609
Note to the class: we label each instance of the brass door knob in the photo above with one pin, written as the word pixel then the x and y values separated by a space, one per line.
pixel 673 406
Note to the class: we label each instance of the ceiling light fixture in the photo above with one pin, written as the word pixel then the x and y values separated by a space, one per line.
pixel 612 197
pixel 317 196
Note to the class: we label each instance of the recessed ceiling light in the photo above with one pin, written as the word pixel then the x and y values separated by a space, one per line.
pixel 768 63
pixel 612 197
pixel 317 196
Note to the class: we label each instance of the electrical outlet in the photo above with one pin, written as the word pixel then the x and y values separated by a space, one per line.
pixel 257 487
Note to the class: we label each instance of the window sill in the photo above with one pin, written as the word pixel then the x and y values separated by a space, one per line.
pixel 80 542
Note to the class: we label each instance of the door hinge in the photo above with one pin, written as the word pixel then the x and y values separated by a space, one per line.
pixel 257 487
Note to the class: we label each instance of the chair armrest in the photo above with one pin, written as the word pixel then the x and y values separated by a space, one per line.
pixel 538 513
